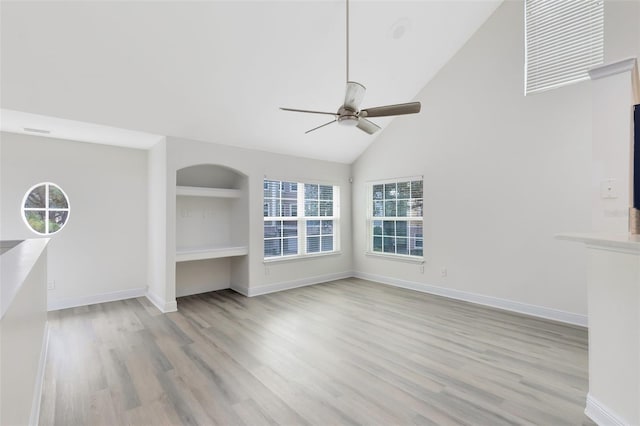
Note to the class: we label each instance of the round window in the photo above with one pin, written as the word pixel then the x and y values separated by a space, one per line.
pixel 45 208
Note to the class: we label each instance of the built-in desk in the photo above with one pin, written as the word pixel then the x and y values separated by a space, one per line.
pixel 613 275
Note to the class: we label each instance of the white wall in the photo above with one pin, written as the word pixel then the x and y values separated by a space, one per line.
pixel 257 165
pixel 157 224
pixel 103 248
pixel 622 29
pixel 502 173
pixel 23 331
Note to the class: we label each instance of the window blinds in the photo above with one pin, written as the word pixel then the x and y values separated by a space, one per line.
pixel 564 38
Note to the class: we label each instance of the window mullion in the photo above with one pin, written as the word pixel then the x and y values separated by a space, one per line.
pixel 302 241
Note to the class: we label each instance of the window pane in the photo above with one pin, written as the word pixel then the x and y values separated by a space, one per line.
pixel 313 244
pixel 271 229
pixel 378 208
pixel 57 200
pixel 289 190
pixel 403 190
pixel 327 227
pixel 272 248
pixel 311 208
pixel 289 208
pixel 377 243
pixel 271 189
pixel 415 229
pixel 401 228
pixel 402 246
pixel 327 243
pixel 56 220
pixel 326 192
pixel 377 227
pixel 289 228
pixel 36 198
pixel 416 189
pixel 36 220
pixel 389 228
pixel 403 208
pixel 389 208
pixel 310 192
pixel 389 245
pixel 416 243
pixel 271 208
pixel 326 208
pixel 415 208
pixel 390 191
pixel 378 192
pixel 313 227
pixel 289 246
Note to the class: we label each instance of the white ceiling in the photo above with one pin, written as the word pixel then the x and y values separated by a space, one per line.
pixel 218 71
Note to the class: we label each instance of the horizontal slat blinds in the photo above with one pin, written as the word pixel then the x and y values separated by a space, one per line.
pixel 564 38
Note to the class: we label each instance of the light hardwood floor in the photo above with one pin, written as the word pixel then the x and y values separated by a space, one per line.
pixel 341 353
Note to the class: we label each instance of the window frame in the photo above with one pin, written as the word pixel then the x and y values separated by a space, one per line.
pixel 371 219
pixel 46 209
pixel 303 220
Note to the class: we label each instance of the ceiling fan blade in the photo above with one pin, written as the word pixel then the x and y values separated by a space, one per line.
pixel 316 128
pixel 354 95
pixel 387 110
pixel 307 111
pixel 367 126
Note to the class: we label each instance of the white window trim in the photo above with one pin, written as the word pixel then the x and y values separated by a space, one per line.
pixel 370 218
pixel 46 208
pixel 302 223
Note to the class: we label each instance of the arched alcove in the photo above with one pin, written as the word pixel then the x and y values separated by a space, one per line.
pixel 211 228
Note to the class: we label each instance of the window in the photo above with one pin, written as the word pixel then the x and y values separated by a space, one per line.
pixel 45 208
pixel 395 218
pixel 299 218
pixel 563 39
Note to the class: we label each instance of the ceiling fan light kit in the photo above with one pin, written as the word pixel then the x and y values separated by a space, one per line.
pixel 350 114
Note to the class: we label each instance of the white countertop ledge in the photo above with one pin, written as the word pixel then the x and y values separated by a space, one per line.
pixel 15 266
pixel 626 242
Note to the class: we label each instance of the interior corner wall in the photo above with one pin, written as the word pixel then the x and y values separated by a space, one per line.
pixel 256 165
pixel 157 223
pixel 503 173
pixel 102 250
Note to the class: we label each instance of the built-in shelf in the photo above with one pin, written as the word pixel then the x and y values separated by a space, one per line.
pixel 201 253
pixel 196 191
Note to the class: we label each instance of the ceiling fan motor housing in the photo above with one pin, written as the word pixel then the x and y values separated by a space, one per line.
pixel 347 117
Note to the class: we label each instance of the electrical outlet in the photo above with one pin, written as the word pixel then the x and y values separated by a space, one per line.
pixel 51 285
pixel 609 188
pixel 443 272
pixel 266 270
pixel 421 269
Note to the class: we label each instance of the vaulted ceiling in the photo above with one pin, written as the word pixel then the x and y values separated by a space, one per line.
pixel 218 71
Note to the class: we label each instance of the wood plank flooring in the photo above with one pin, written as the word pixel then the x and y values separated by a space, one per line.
pixel 347 352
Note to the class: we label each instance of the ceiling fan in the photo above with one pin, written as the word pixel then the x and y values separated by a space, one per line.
pixel 350 113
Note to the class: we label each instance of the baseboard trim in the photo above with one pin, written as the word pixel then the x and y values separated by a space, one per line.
pixel 240 289
pixel 494 302
pixel 96 298
pixel 288 285
pixel 161 304
pixel 34 417
pixel 601 414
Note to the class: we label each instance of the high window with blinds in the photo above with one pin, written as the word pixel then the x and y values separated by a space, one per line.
pixel 395 218
pixel 563 39
pixel 300 219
